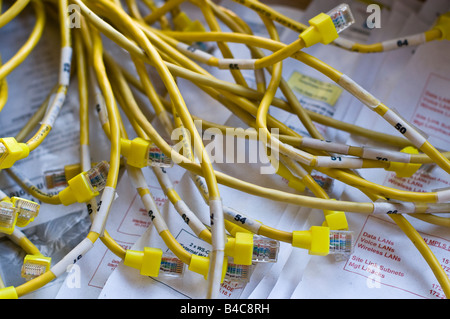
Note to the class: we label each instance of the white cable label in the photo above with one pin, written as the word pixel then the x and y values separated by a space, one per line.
pixel 440 208
pixel 136 177
pixel 72 257
pixel 217 224
pixel 344 43
pixel 393 208
pixel 163 178
pixel 325 145
pixel 66 62
pixel 290 151
pixel 356 90
pixel 54 109
pixel 385 155
pixel 338 161
pixel 443 196
pixel 108 196
pixel 237 64
pixel 412 40
pixel 85 156
pixel 189 217
pixel 153 213
pixel 240 219
pixel 193 52
pixel 404 128
pixel 100 107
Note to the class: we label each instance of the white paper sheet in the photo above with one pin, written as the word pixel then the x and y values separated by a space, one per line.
pixel 385 262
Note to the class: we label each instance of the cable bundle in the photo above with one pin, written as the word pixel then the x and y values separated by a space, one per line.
pixel 162 39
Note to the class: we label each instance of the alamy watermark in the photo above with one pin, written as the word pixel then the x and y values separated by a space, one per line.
pixel 373 280
pixel 234 146
pixel 73 279
pixel 74 12
pixel 374 19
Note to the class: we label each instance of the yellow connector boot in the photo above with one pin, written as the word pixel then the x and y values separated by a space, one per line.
pixel 325 28
pixel 320 240
pixel 8 293
pixel 240 248
pixel 141 153
pixel 148 261
pixel 316 240
pixel 443 24
pixel 85 186
pixel 200 265
pixel 11 151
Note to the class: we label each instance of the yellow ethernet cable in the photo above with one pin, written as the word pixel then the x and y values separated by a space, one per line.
pixel 3 90
pixel 31 42
pixel 12 12
pixel 63 80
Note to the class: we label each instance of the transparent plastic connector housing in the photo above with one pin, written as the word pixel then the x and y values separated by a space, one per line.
pixel 55 178
pixel 3 152
pixel 324 181
pixel 98 175
pixel 27 210
pixel 342 17
pixel 341 243
pixel 238 273
pixel 34 266
pixel 8 217
pixel 265 249
pixel 157 158
pixel 171 266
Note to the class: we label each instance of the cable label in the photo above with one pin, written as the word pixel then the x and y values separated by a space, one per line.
pixel 54 108
pixel 217 228
pixel 237 64
pixel 360 93
pixel 393 208
pixel 66 62
pixel 72 257
pixel 404 128
pixel 189 218
pixel 193 52
pixel 339 161
pixel 242 220
pixel 325 145
pixel 385 155
pixel 413 40
pixel 443 196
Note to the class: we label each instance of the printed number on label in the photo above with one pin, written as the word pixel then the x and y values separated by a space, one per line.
pixel 191 48
pixel 185 218
pixel 399 127
pixel 239 218
pixel 66 67
pixel 401 43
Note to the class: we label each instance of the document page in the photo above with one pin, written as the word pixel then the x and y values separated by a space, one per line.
pixel 385 262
